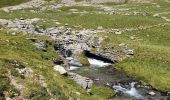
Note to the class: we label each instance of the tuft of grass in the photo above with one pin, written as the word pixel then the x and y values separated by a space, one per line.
pixel 83 59
pixel 102 91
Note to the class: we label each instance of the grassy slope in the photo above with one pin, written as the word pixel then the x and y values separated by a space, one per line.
pixel 17 48
pixel 87 20
pixel 151 61
pixel 4 3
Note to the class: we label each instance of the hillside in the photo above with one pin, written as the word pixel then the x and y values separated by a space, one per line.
pixel 84 49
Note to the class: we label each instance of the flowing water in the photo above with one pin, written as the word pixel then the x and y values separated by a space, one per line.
pixel 98 63
pixel 103 73
pixel 131 91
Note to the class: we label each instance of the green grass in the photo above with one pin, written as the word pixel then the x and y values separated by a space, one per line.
pixel 18 52
pixel 150 64
pixel 151 61
pixel 101 91
pixel 87 20
pixel 4 3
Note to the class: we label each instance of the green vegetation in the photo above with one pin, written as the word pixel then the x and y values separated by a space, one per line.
pixel 16 52
pixel 87 20
pixel 4 3
pixel 83 59
pixel 151 61
pixel 102 92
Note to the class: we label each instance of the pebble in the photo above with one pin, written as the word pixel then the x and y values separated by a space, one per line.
pixel 152 93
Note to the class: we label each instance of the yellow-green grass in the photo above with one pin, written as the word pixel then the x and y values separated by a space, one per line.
pixel 150 63
pixel 17 49
pixel 86 20
pixel 4 3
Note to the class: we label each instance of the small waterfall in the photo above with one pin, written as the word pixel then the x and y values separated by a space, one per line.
pixel 98 63
pixel 131 91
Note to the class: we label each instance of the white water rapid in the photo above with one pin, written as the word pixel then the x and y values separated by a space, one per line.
pixel 98 63
pixel 131 91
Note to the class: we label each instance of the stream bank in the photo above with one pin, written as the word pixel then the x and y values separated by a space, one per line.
pixel 105 74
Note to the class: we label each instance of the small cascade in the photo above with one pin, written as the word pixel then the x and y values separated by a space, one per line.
pixel 131 91
pixel 98 63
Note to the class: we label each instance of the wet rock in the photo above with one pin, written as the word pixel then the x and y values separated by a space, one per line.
pixel 60 69
pixel 152 93
pixel 84 82
pixel 75 62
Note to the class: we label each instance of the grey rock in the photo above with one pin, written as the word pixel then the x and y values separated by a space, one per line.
pixel 60 69
pixel 130 52
pixel 74 62
pixel 82 81
pixel 152 93
pixel 41 46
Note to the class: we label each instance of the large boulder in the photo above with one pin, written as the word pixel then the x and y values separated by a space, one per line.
pixel 60 69
pixel 74 62
pixel 84 82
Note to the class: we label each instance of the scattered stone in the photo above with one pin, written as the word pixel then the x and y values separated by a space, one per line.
pixel 78 93
pixel 122 44
pixel 60 69
pixel 100 28
pixel 130 52
pixel 118 32
pixel 30 4
pixel 13 33
pixel 73 10
pixel 75 62
pixel 41 46
pixel 82 81
pixel 132 37
pixel 152 93
pixel 58 23
pixel 66 24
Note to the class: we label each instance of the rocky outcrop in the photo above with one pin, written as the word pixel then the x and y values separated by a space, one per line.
pixel 84 82
pixel 20 25
pixel 73 62
pixel 31 4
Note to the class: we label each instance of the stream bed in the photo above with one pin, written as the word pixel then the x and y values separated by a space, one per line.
pixel 103 73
